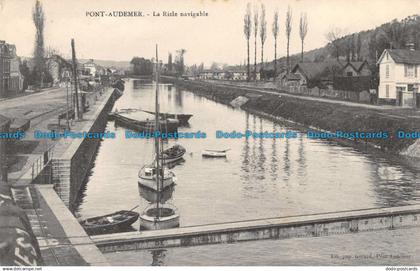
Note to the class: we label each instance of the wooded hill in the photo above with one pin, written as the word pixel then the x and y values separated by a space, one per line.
pixel 365 45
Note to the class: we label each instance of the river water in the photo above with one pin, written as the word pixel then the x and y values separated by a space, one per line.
pixel 260 178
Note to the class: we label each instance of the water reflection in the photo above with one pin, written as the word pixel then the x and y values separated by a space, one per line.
pixel 274 161
pixel 286 160
pixel 152 197
pixel 301 162
pixel 284 176
pixel 179 98
pixel 396 185
pixel 158 257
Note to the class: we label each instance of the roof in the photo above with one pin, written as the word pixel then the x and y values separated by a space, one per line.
pixel 315 69
pixel 62 61
pixel 6 50
pixel 236 69
pixel 357 65
pixel 292 76
pixel 405 56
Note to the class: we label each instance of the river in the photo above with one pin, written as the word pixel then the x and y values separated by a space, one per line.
pixel 260 178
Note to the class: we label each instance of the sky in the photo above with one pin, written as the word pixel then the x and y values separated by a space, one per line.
pixel 217 37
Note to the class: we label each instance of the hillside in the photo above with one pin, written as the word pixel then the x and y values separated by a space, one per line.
pixel 372 43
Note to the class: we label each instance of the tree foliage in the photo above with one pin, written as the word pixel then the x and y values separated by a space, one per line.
pixel 288 29
pixel 275 31
pixel 247 32
pixel 141 66
pixel 263 31
pixel 38 18
pixel 303 30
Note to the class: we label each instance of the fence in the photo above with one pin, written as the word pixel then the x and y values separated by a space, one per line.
pixel 40 169
pixel 347 95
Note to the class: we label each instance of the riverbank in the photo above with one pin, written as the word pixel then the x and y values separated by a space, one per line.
pixel 321 115
pixel 62 165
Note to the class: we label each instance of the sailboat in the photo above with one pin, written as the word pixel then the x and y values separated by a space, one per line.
pixel 158 215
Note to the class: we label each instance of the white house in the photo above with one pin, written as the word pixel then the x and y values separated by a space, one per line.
pixel 206 75
pixel 399 77
pixel 238 74
pixel 90 67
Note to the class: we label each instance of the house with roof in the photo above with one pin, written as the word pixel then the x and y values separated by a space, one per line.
pixel 356 68
pixel 5 58
pixel 59 68
pixel 399 77
pixel 90 68
pixel 16 77
pixel 313 74
pixel 237 74
pixel 206 75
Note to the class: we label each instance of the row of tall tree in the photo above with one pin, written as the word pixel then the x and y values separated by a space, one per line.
pixel 255 23
pixel 40 73
pixel 177 66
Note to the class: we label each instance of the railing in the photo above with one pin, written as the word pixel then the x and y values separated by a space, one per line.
pixel 40 163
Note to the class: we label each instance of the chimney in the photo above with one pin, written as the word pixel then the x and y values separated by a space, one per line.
pixel 410 46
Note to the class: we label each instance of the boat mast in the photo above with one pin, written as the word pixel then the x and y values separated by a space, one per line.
pixel 157 149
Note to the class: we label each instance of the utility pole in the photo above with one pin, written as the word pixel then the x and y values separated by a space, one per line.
pixel 67 76
pixel 79 114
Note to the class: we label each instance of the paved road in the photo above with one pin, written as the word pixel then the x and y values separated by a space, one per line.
pixel 389 110
pixel 33 105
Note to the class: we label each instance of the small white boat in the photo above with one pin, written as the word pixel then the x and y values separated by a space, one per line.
pixel 214 153
pixel 159 217
pixel 148 178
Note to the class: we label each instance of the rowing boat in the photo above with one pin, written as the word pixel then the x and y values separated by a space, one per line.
pixel 110 223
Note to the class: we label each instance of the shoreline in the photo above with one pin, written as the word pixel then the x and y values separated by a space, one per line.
pixel 319 116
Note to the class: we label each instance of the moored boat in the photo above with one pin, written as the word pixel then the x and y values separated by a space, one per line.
pixel 167 125
pixel 110 223
pixel 148 177
pixel 165 216
pixel 214 153
pixel 182 118
pixel 173 154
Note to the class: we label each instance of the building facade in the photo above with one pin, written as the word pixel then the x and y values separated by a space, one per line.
pixel 5 58
pixel 16 78
pixel 399 77
pixel 90 68
pixel 4 128
pixel 356 68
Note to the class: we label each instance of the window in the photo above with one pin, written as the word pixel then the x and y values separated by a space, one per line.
pixel 409 70
pixel 410 87
pixel 387 71
pixel 387 91
pixel 349 73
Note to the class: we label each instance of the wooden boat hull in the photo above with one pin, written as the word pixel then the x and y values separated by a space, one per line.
pixel 152 184
pixel 182 118
pixel 168 220
pixel 213 154
pixel 147 178
pixel 169 126
pixel 169 156
pixel 99 224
